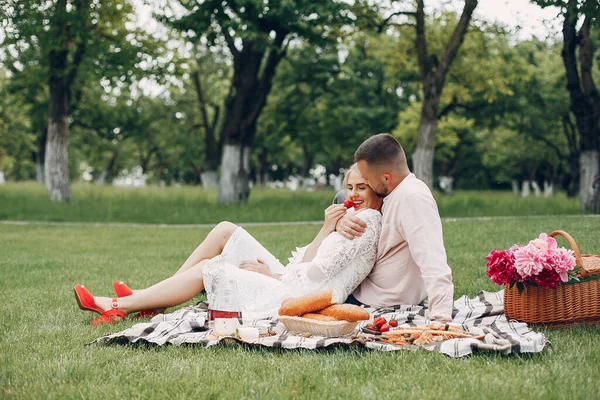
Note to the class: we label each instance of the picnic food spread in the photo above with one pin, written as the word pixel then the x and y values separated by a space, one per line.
pixel 315 314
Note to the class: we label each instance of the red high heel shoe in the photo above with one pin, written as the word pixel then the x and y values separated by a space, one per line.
pixel 86 302
pixel 122 290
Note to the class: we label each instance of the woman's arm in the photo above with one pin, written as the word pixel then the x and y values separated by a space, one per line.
pixel 346 254
pixel 332 214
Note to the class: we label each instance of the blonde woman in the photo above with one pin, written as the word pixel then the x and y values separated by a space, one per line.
pixel 229 257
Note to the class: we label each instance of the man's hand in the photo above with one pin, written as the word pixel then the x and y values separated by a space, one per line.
pixel 351 226
pixel 258 266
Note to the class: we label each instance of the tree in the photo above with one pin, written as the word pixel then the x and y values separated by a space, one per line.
pixel 257 33
pixel 71 42
pixel 583 92
pixel 433 71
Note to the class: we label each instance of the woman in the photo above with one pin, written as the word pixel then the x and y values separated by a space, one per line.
pixel 220 264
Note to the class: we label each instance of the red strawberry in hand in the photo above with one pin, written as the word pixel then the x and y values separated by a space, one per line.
pixel 348 204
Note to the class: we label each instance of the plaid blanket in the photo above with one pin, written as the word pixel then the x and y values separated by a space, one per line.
pixel 482 315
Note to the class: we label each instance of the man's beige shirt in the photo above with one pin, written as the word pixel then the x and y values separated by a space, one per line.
pixel 411 259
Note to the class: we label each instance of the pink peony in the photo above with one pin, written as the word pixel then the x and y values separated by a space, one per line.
pixel 530 260
pixel 562 261
pixel 501 266
pixel 540 262
pixel 544 243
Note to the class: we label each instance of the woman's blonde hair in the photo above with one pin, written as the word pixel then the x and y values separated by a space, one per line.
pixel 353 167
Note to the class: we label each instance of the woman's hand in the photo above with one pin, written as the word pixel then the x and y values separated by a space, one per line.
pixel 332 214
pixel 258 266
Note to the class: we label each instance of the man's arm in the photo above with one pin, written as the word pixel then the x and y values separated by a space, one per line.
pixel 349 226
pixel 422 229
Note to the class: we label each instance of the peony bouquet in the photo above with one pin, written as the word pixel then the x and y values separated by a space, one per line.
pixel 539 263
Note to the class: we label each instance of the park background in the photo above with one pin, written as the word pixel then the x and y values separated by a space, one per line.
pixel 129 128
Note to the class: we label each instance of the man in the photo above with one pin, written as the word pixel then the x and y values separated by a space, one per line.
pixel 411 260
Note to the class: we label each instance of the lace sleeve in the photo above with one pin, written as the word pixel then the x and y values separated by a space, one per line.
pixel 334 258
pixel 297 255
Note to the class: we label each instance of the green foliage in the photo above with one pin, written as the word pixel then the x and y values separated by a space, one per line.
pixel 346 76
pixel 17 140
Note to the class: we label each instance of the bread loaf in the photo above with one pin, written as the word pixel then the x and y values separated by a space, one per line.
pixel 297 306
pixel 346 312
pixel 319 317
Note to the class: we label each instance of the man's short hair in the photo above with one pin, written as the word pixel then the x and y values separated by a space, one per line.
pixel 381 149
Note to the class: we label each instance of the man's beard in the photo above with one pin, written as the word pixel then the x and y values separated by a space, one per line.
pixel 384 194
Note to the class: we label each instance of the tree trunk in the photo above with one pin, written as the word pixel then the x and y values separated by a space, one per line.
pixel 235 168
pixel 108 170
pixel 424 152
pixel 515 187
pixel 548 188
pixel 573 172
pixel 209 177
pixel 585 100
pixel 39 157
pixel 56 161
pixel 64 58
pixel 536 188
pixel 433 77
pixel 525 191
pixel 590 172
pixel 447 184
pixel 254 69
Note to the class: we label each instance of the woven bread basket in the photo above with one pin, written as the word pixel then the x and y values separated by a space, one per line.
pixel 319 328
pixel 569 303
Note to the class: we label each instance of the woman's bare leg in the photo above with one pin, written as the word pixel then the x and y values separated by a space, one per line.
pixel 212 245
pixel 172 291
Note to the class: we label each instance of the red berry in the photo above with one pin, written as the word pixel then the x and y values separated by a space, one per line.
pixel 379 322
pixel 384 328
pixel 348 204
pixel 393 323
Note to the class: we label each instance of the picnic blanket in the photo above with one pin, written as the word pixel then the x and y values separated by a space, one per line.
pixel 481 315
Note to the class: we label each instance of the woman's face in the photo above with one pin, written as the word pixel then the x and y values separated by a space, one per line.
pixel 361 193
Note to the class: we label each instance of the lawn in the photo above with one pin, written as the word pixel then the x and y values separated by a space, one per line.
pixel 43 335
pixel 196 205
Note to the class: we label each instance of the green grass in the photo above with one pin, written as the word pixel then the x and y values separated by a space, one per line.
pixel 194 205
pixel 43 333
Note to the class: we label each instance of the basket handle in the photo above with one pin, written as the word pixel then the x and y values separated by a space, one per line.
pixel 578 260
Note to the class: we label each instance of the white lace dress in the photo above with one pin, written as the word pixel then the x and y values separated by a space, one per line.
pixel 340 264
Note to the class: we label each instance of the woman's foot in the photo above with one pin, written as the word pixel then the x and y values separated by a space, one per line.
pixel 122 290
pixel 107 308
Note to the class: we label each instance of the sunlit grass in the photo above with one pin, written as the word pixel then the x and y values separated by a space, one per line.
pixel 43 335
pixel 196 205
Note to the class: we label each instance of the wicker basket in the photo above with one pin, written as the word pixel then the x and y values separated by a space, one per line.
pixel 319 328
pixel 567 304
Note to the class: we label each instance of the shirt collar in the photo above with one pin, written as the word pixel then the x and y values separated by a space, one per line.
pixel 408 177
